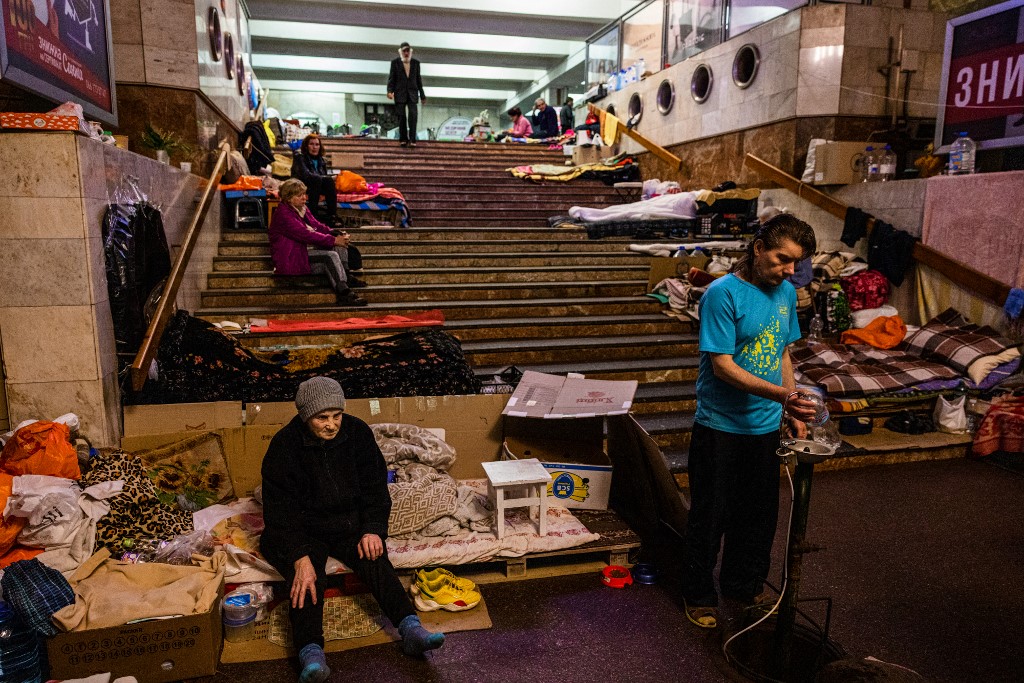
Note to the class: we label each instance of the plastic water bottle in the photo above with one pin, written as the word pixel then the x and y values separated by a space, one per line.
pixel 872 165
pixel 888 165
pixel 815 329
pixel 821 412
pixel 961 155
pixel 641 68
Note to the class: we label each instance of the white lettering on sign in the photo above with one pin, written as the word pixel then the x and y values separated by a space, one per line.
pixel 1014 77
pixel 987 81
pixel 963 79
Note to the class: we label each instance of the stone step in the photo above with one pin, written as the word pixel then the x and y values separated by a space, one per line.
pixel 666 397
pixel 669 430
pixel 286 296
pixel 433 234
pixel 425 191
pixel 502 207
pixel 491 310
pixel 430 276
pixel 259 245
pixel 480 329
pixel 675 369
pixel 497 216
pixel 522 352
pixel 372 260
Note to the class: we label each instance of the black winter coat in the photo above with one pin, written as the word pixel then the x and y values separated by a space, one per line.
pixel 315 489
pixel 406 88
pixel 309 169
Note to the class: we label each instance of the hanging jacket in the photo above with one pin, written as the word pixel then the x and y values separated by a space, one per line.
pixel 261 154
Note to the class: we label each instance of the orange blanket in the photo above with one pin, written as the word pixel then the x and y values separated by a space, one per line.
pixel 884 332
pixel 430 318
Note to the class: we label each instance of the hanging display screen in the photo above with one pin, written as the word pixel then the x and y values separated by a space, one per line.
pixel 60 49
pixel 982 91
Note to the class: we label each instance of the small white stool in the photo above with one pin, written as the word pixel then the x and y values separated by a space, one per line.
pixel 514 476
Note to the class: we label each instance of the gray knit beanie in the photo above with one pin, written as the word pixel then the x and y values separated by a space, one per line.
pixel 317 395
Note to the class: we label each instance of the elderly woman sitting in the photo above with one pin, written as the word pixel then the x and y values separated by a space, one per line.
pixel 521 127
pixel 293 230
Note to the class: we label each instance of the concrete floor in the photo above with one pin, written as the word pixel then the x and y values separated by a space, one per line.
pixel 925 562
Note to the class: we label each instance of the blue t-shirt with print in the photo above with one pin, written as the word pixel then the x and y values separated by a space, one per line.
pixel 754 325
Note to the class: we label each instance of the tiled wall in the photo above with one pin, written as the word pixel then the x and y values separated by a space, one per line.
pixel 56 331
pixel 820 61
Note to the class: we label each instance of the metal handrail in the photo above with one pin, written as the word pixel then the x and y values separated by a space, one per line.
pixel 151 342
pixel 959 273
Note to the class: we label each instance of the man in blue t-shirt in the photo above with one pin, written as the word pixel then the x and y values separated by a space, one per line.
pixel 745 384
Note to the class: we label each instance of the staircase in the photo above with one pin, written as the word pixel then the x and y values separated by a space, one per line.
pixel 512 290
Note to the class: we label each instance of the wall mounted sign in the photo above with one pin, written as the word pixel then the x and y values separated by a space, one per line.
pixel 982 87
pixel 61 50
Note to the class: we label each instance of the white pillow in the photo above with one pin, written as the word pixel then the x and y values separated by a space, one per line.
pixel 979 369
pixel 863 317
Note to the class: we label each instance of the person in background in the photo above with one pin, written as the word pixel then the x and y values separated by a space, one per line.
pixel 310 167
pixel 545 121
pixel 566 116
pixel 325 493
pixel 521 127
pixel 294 229
pixel 405 87
pixel 591 124
pixel 745 387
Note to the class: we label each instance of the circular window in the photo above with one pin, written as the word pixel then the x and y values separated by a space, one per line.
pixel 700 83
pixel 214 34
pixel 610 109
pixel 745 65
pixel 240 74
pixel 229 55
pixel 666 96
pixel 636 108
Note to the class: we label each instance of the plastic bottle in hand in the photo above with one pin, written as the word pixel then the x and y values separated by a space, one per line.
pixel 820 411
pixel 815 329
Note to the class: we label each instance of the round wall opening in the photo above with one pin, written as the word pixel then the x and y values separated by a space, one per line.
pixel 700 83
pixel 229 55
pixel 745 65
pixel 214 32
pixel 636 108
pixel 666 96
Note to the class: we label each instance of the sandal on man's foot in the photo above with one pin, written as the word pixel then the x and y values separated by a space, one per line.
pixel 703 617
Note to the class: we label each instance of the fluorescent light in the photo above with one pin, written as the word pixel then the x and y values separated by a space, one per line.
pixel 339 65
pixel 470 42
pixel 381 90
pixel 601 9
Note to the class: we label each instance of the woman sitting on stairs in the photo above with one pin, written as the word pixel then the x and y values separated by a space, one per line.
pixel 294 229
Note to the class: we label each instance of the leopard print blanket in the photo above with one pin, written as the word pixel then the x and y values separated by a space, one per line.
pixel 136 513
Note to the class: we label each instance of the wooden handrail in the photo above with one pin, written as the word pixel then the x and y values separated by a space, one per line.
pixel 959 273
pixel 151 342
pixel 657 150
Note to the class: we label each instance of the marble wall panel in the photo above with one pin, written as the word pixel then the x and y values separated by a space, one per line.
pixel 41 218
pixel 171 67
pixel 125 24
pixel 49 343
pixel 95 402
pixel 39 165
pixel 823 16
pixel 169 24
pixel 44 272
pixel 129 63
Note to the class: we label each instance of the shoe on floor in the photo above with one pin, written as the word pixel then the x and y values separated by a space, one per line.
pixel 703 617
pixel 355 282
pixel 350 298
pixel 433 579
pixel 314 664
pixel 412 144
pixel 445 595
pixel 404 144
pixel 417 640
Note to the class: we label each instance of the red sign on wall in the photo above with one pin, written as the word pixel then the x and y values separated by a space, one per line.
pixel 59 49
pixel 983 77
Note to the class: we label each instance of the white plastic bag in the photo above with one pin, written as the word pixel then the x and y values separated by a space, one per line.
pixel 951 416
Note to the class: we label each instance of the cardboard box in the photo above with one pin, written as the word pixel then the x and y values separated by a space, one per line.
pixel 838 163
pixel 38 121
pixel 347 161
pixel 121 141
pixel 152 651
pixel 590 154
pixel 181 417
pixel 535 427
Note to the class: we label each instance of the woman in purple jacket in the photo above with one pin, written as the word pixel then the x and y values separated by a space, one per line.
pixel 293 229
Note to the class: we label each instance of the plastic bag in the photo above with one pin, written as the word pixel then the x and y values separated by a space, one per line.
pixel 179 550
pixel 9 527
pixel 41 448
pixel 347 181
pixel 951 416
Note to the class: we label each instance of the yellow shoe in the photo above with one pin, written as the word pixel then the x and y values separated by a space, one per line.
pixel 446 596
pixel 436 577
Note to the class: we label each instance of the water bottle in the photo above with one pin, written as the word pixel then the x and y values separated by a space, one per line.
pixel 888 166
pixel 815 329
pixel 19 649
pixel 821 412
pixel 641 68
pixel 961 155
pixel 871 165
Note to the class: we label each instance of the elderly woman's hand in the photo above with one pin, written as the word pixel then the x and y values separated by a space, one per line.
pixel 370 547
pixel 305 580
pixel 342 239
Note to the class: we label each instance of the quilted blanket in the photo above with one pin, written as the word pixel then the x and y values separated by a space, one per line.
pixel 423 491
pixel 856 371
pixel 948 338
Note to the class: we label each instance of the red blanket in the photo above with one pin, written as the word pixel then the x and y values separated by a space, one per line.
pixel 432 318
pixel 1002 429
